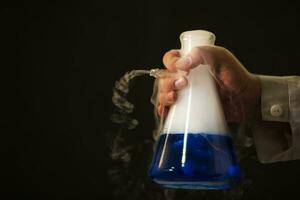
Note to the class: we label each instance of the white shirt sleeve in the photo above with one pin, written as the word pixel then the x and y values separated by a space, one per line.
pixel 277 135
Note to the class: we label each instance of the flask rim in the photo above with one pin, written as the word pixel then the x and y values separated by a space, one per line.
pixel 203 34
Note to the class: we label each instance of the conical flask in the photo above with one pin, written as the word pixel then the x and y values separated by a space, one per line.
pixel 195 149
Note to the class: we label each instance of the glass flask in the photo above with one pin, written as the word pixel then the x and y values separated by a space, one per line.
pixel 195 149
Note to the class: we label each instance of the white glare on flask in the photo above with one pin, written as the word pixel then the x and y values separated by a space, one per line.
pixel 195 149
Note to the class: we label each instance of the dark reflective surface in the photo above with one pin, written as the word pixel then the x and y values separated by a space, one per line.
pixel 60 60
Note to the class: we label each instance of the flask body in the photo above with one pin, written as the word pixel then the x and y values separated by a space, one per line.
pixel 195 149
pixel 210 161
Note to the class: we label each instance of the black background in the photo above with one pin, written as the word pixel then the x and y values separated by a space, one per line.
pixel 60 61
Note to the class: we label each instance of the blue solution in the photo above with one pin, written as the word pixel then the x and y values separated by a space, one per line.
pixel 210 162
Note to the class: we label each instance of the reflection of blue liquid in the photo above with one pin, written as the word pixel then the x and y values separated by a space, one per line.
pixel 209 162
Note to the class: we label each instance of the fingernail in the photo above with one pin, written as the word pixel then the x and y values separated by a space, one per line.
pixel 184 63
pixel 180 83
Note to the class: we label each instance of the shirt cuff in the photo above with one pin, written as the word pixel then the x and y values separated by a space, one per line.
pixel 294 103
pixel 274 98
pixel 276 141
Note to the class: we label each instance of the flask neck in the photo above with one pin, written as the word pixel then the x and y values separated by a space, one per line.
pixel 191 39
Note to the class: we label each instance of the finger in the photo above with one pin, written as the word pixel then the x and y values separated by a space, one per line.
pixel 167 99
pixel 159 109
pixel 170 58
pixel 162 110
pixel 171 84
pixel 197 56
pixel 166 84
pixel 180 83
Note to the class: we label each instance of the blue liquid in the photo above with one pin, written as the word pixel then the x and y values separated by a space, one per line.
pixel 208 162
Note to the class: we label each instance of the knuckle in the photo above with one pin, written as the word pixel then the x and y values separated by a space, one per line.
pixel 167 57
pixel 223 50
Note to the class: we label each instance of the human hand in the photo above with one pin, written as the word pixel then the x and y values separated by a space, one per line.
pixel 239 90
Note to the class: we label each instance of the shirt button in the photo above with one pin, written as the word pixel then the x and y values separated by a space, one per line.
pixel 276 110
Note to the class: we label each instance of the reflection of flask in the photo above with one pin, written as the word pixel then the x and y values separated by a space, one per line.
pixel 195 149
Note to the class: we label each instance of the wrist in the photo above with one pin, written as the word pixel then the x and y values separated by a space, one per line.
pixel 252 98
